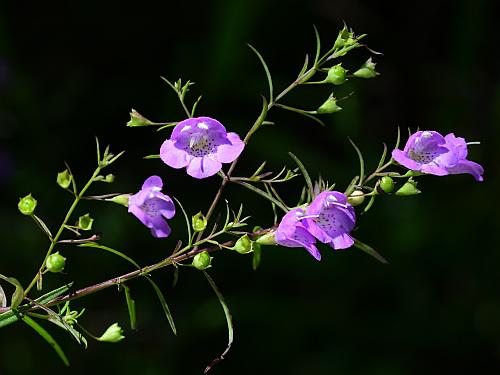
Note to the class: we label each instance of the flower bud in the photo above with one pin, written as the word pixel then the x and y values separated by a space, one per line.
pixel 266 239
pixel 330 106
pixel 244 245
pixel 336 75
pixel 109 178
pixel 114 333
pixel 356 198
pixel 386 185
pixel 85 222
pixel 367 70
pixel 27 205
pixel 136 119
pixel 409 188
pixel 55 262
pixel 202 260
pixel 199 222
pixel 64 179
pixel 342 37
pixel 120 199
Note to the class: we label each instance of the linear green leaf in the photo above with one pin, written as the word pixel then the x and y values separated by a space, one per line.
pixel 318 46
pixel 130 307
pixel 369 250
pixel 304 172
pixel 382 158
pixel 47 337
pixel 188 223
pixel 263 194
pixel 229 321
pixel 116 252
pixel 268 74
pixel 361 163
pixel 164 304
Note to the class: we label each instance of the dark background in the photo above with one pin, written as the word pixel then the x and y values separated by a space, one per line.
pixel 69 72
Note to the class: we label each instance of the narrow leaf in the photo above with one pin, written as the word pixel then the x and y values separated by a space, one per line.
pixel 53 294
pixel 263 194
pixel 361 163
pixel 130 307
pixel 268 74
pixel 318 46
pixel 116 252
pixel 301 112
pixel 163 302
pixel 18 295
pixel 229 321
pixel 304 172
pixel 257 256
pixel 42 226
pixel 3 297
pixel 188 222
pixel 304 67
pixel 47 337
pixel 370 251
pixel 157 156
pixel 382 158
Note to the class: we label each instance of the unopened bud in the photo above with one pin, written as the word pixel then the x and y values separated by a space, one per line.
pixel 64 179
pixel 120 199
pixel 330 106
pixel 336 75
pixel 367 70
pixel 199 222
pixel 356 198
pixel 202 260
pixel 386 184
pixel 243 245
pixel 55 262
pixel 85 222
pixel 136 119
pixel 409 188
pixel 114 333
pixel 27 205
pixel 266 239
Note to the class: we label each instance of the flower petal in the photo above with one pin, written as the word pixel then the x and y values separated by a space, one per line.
pixel 342 241
pixel 226 153
pixel 404 160
pixel 172 156
pixel 159 227
pixel 203 167
pixel 152 182
pixel 470 167
pixel 434 169
pixel 139 213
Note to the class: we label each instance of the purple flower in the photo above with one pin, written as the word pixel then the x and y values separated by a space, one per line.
pixel 201 144
pixel 292 233
pixel 152 207
pixel 330 218
pixel 430 152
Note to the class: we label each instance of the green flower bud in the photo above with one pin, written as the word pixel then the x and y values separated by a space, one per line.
pixel 199 222
pixel 336 75
pixel 202 260
pixel 409 188
pixel 266 239
pixel 27 205
pixel 64 179
pixel 342 37
pixel 55 262
pixel 356 198
pixel 367 70
pixel 330 106
pixel 120 199
pixel 114 333
pixel 244 245
pixel 136 119
pixel 386 184
pixel 85 222
pixel 109 178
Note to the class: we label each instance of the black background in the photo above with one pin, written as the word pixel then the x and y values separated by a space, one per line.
pixel 69 72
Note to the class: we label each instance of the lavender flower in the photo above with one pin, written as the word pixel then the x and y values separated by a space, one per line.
pixel 330 218
pixel 292 233
pixel 152 207
pixel 201 144
pixel 430 152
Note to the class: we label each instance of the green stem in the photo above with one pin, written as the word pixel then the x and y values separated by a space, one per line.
pixel 54 240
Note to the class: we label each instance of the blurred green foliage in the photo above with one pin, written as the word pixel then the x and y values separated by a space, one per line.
pixel 72 71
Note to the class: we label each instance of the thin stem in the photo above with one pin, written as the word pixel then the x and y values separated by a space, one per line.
pixel 61 229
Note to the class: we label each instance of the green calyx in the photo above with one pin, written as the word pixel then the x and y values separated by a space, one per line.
pixel 199 222
pixel 113 334
pixel 386 184
pixel 329 106
pixel 136 119
pixel 64 179
pixel 85 222
pixel 202 260
pixel 27 205
pixel 336 75
pixel 409 188
pixel 55 263
pixel 367 70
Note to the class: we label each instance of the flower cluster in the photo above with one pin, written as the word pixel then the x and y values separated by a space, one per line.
pixel 429 152
pixel 329 219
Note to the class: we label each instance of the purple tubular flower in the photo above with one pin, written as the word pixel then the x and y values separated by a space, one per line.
pixel 292 233
pixel 201 144
pixel 430 152
pixel 152 207
pixel 330 218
